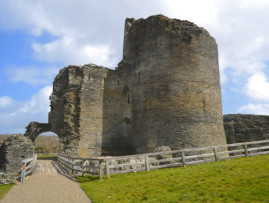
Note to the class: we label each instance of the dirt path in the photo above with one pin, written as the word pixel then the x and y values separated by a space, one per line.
pixel 46 185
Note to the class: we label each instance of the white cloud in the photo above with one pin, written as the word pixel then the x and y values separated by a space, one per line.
pixel 241 30
pixel 17 115
pixel 5 101
pixel 31 75
pixel 31 16
pixel 68 51
pixel 258 109
pixel 257 87
pixel 200 12
pixel 86 31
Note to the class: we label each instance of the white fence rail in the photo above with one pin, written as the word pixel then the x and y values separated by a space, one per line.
pixel 167 159
pixel 30 164
pixel 80 166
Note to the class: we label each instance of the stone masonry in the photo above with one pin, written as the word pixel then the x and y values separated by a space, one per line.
pixel 12 151
pixel 34 129
pixel 246 128
pixel 164 92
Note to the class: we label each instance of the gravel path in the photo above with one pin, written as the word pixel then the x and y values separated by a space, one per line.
pixel 46 185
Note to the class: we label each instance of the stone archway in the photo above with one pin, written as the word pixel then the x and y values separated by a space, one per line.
pixel 47 142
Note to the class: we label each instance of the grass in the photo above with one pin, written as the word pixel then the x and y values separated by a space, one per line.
pixel 4 189
pixel 47 157
pixel 236 180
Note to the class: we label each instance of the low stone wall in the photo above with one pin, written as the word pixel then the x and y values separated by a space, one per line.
pixel 6 179
pixel 245 128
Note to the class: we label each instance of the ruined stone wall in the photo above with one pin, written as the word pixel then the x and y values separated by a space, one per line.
pixel 65 109
pixel 56 115
pixel 245 128
pixel 117 120
pixel 90 112
pixel 35 128
pixel 165 92
pixel 172 68
pixel 91 97
pixel 12 151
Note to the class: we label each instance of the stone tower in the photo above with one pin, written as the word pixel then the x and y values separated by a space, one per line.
pixel 165 91
pixel 173 72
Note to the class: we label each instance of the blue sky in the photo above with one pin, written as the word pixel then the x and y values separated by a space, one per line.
pixel 38 38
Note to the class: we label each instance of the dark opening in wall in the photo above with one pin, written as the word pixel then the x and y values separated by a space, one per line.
pixel 128 98
pixel 104 79
pixel 118 81
pixel 89 78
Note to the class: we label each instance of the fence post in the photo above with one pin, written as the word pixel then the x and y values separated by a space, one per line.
pixel 246 150
pixel 183 158
pixel 101 170
pixel 107 168
pixel 34 162
pixel 72 162
pixel 83 167
pixel 216 154
pixel 147 163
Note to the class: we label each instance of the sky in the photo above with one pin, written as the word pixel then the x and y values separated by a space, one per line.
pixel 38 38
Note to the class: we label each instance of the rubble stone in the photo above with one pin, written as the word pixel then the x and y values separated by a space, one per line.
pixel 163 149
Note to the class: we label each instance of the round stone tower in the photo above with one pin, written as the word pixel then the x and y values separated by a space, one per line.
pixel 173 73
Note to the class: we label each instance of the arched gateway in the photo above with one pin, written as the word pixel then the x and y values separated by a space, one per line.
pixel 47 142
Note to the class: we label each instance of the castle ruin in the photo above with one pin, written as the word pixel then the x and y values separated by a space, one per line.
pixel 164 92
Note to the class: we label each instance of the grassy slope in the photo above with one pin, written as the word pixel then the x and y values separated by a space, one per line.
pixel 4 189
pixel 236 180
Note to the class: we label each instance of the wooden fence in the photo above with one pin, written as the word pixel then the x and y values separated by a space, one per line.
pixel 30 164
pixel 80 166
pixel 47 154
pixel 166 159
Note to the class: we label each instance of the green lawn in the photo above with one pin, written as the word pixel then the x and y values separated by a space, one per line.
pixel 236 180
pixel 4 189
pixel 47 157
